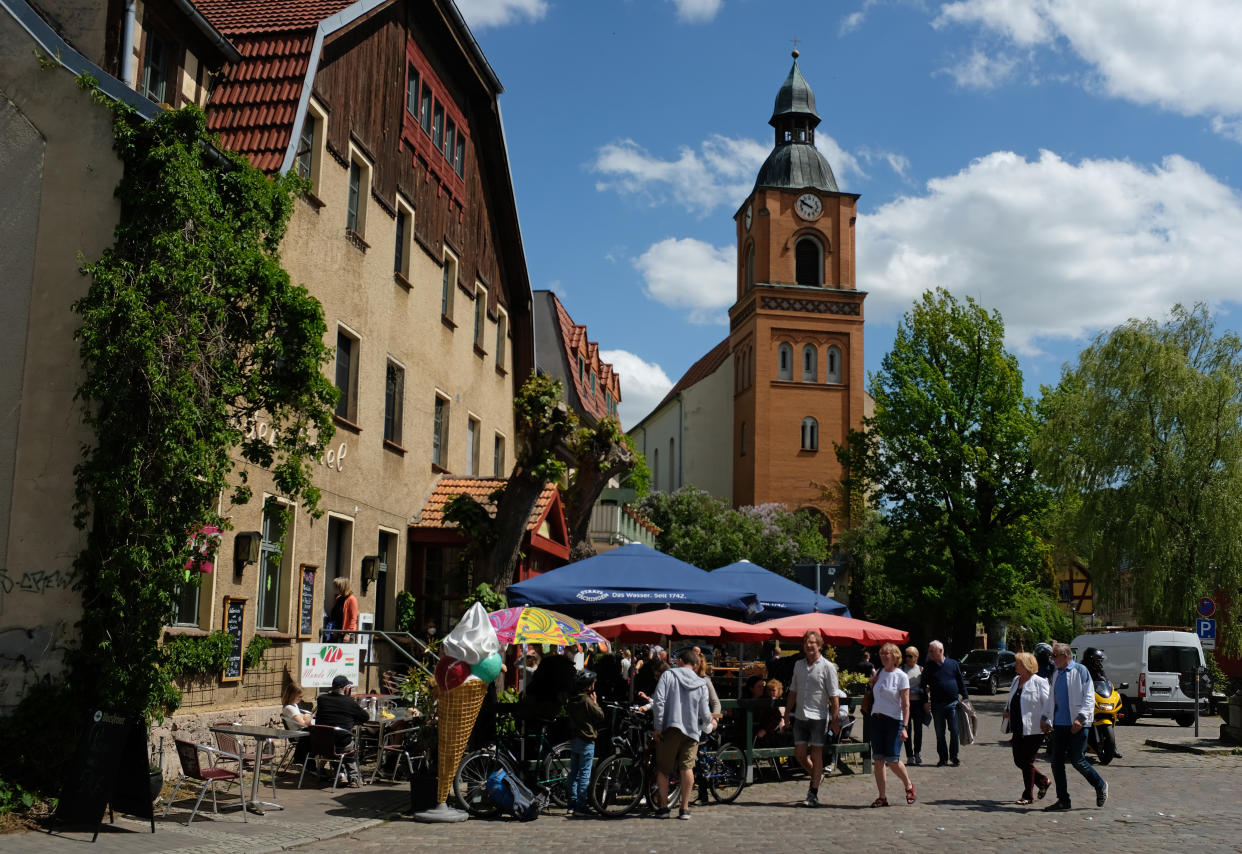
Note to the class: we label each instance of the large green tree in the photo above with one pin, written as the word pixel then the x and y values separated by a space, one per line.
pixel 707 532
pixel 946 458
pixel 191 333
pixel 1142 441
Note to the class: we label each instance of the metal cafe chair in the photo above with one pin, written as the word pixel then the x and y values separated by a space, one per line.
pixel 230 745
pixel 193 769
pixel 399 742
pixel 323 745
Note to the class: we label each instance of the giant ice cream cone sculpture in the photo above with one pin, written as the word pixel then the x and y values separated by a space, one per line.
pixel 469 660
pixel 458 710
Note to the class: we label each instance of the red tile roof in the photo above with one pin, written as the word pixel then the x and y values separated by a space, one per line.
pixel 480 489
pixel 700 370
pixel 257 16
pixel 573 335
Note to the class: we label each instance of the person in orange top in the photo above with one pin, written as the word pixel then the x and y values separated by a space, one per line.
pixel 344 613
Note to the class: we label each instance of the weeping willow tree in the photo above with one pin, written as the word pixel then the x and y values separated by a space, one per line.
pixel 1142 440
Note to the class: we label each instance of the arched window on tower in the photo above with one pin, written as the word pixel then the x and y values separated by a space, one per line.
pixel 810 359
pixel 834 365
pixel 750 266
pixel 784 369
pixel 810 434
pixel 809 261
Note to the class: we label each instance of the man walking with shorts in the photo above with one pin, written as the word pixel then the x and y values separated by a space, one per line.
pixel 813 703
pixel 681 713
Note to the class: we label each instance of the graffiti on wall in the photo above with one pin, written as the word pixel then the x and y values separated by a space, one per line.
pixel 28 655
pixel 39 581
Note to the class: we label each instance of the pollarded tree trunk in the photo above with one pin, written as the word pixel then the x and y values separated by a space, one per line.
pixel 598 459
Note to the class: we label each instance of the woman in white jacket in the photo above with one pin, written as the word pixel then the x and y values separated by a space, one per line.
pixel 1027 697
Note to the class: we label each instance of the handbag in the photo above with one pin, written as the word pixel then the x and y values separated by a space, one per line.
pixel 1006 728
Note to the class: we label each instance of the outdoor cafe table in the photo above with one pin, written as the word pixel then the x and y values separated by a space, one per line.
pixel 398 714
pixel 261 735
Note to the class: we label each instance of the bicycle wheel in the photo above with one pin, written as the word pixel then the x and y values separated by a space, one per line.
pixel 554 773
pixel 617 786
pixel 726 774
pixel 470 782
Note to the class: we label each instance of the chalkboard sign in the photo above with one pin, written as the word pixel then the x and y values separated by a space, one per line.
pixel 234 621
pixel 109 770
pixel 306 602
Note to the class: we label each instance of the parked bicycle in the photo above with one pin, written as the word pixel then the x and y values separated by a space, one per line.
pixel 545 768
pixel 626 780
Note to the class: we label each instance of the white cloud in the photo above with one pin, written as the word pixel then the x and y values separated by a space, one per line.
pixel 696 11
pixel 899 163
pixel 980 71
pixel 685 273
pixel 480 14
pixel 643 385
pixel 1181 56
pixel 721 172
pixel 1061 249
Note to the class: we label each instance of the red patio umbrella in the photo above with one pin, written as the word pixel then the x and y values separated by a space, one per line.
pixel 653 625
pixel 834 629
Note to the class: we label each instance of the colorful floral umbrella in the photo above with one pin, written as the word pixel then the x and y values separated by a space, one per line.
pixel 528 624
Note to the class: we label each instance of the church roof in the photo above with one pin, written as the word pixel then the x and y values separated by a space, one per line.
pixel 700 370
pixel 796 165
pixel 795 96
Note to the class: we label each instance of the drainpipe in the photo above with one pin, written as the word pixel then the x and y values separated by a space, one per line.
pixel 127 43
pixel 681 438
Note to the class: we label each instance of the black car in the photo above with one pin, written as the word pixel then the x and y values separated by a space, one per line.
pixel 988 670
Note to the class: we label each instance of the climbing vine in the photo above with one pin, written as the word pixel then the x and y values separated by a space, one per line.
pixel 191 332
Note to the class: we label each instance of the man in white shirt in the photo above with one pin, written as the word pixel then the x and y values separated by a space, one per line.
pixel 813 703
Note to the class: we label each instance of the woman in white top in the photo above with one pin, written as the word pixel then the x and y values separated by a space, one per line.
pixel 292 716
pixel 890 722
pixel 1027 696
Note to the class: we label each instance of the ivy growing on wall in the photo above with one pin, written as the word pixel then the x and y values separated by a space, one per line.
pixel 190 332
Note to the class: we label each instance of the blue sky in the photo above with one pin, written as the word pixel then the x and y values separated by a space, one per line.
pixel 1070 164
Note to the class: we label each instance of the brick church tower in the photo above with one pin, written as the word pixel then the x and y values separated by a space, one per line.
pixel 796 329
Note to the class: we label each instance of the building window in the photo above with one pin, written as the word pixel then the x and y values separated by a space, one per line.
pixel 459 162
pixel 502 336
pixel 394 396
pixel 450 139
pixel 472 447
pixel 834 365
pixel 581 369
pixel 271 569
pixel 592 383
pixel 810 366
pixel 403 241
pixel 784 362
pixel 810 434
pixel 480 314
pixel 156 67
pixel 424 110
pixel 306 149
pixel 750 266
pixel 809 262
pixel 351 209
pixel 347 375
pixel 437 126
pixel 439 432
pixel 448 285
pixel 359 189
pixel 411 90
pixel 498 457
pixel 186 596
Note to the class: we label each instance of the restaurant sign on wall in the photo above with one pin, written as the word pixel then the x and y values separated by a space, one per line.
pixel 322 662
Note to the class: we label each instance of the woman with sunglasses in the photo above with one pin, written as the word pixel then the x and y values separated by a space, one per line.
pixel 910 667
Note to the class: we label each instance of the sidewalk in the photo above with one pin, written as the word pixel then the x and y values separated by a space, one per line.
pixel 311 814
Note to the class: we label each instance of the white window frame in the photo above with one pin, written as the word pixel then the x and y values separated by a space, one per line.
pixel 474 431
pixel 810 434
pixel 318 116
pixel 502 337
pixel 358 160
pixel 833 373
pixel 784 361
pixel 283 583
pixel 448 283
pixel 403 242
pixel 499 466
pixel 480 316
pixel 350 392
pixel 398 416
pixel 810 369
pixel 440 430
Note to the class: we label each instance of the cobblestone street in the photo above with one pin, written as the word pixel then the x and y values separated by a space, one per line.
pixel 1159 800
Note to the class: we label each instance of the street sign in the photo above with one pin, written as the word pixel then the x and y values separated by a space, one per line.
pixel 1207 607
pixel 1205 629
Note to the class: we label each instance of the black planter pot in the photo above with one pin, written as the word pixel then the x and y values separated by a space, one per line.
pixel 157 784
pixel 422 792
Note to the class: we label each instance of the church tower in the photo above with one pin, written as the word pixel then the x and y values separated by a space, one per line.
pixel 796 329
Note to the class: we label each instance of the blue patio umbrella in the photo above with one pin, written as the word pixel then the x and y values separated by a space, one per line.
pixel 780 596
pixel 633 575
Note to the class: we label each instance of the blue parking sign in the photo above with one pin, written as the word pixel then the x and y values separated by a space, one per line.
pixel 1205 629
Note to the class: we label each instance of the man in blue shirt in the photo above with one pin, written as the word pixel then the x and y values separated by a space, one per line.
pixel 1067 713
pixel 942 686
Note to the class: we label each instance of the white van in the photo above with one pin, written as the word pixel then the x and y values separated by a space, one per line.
pixel 1146 666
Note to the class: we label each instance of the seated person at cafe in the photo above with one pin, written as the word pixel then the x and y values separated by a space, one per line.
pixel 295 718
pixel 769 723
pixel 753 689
pixel 337 708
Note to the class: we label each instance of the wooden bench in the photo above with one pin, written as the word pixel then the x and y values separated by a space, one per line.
pixel 749 707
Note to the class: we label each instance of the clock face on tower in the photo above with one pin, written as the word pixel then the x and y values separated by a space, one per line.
pixel 809 206
pixel 749 213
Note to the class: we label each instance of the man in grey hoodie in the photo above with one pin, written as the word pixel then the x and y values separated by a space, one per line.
pixel 681 713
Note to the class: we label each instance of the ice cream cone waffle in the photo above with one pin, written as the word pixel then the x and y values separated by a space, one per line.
pixel 458 710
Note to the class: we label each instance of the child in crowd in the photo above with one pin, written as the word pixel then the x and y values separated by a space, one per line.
pixel 585 718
